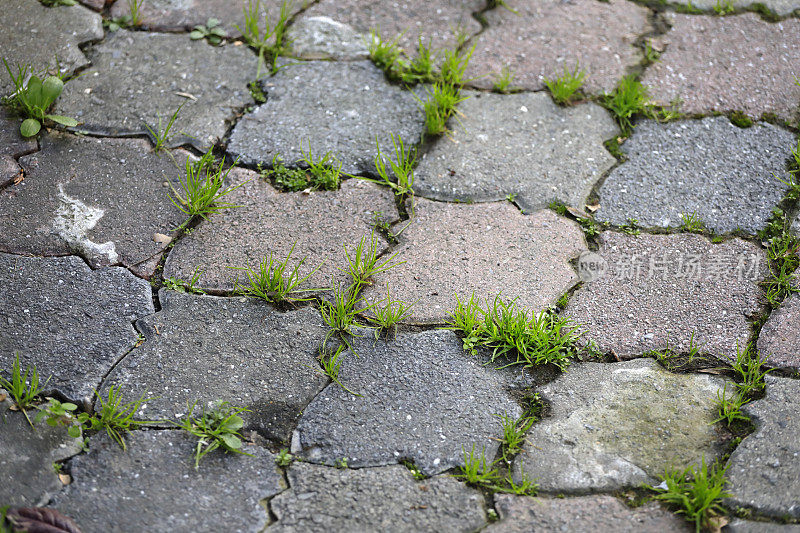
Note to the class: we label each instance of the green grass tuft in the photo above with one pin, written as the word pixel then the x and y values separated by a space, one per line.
pixel 696 492
pixel 564 88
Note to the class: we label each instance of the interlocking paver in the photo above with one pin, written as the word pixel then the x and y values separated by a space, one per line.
pixel 12 145
pixel 779 339
pixel 322 37
pixel 749 526
pixel 779 7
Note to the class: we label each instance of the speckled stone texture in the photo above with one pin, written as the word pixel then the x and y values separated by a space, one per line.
pixel 422 398
pixel 322 37
pixel 725 175
pixel 660 290
pixel 764 473
pixel 615 426
pixel 520 144
pixel 35 35
pixel 520 514
pixel 203 348
pixel 545 36
pixel 73 323
pixel 779 339
pixel 102 199
pixel 28 454
pixel 322 499
pixel 135 79
pixel 162 491
pixel 12 146
pixel 323 106
pixel 735 63
pixel 482 248
pixel 319 225
pixel 746 526
pixel 779 7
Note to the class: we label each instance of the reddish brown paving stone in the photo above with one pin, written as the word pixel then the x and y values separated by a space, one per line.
pixel 659 290
pixel 780 337
pixel 548 35
pixel 736 63
pixel 486 248
pixel 319 224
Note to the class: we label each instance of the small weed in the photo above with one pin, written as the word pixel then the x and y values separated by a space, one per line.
pixel 56 413
pixel 402 168
pixel 514 430
pixel 212 31
pixel 730 409
pixel 24 388
pixel 272 42
pixel 477 470
pixel 340 315
pixel 565 87
pixel 627 100
pixel 783 262
pixel 631 227
pixel 465 317
pixel 161 136
pixel 341 463
pixel 176 284
pixel 414 469
pixel 696 492
pixel 364 263
pixel 257 92
pixel 385 54
pixel 591 228
pixel 749 368
pixel 386 317
pixel 115 417
pixel 32 97
pixel 133 8
pixel 284 458
pixel 526 487
pixel 454 66
pixel 503 80
pixel 217 427
pixel 691 222
pixel 740 120
pixel 203 187
pixel 325 172
pixel 724 7
pixel 670 112
pixel 559 207
pixel 562 301
pixel 116 23
pixel 440 106
pixel 420 69
pixel 651 55
pixel 331 366
pixel 56 3
pixel 493 4
pixel 273 281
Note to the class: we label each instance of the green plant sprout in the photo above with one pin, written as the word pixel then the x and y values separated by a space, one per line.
pixel 564 88
pixel 32 98
pixel 24 388
pixel 212 31
pixel 273 281
pixel 217 427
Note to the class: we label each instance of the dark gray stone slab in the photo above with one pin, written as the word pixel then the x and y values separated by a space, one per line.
pixel 204 348
pixel 153 486
pixel 659 291
pixel 779 339
pixel 521 144
pixel 27 455
pixel 12 144
pixel 764 472
pixel 73 323
pixel 423 398
pixel 136 77
pixel 616 426
pixel 727 176
pixel 102 199
pixel 324 106
pixel 36 35
pixel 322 499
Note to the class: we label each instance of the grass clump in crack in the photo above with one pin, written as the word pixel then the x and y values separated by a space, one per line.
pixel 271 42
pixel 24 388
pixel 216 427
pixel 399 176
pixel 115 417
pixel 324 173
pixel 626 101
pixel 697 493
pixel 480 472
pixel 386 317
pixel 365 262
pixel 274 281
pixel 565 88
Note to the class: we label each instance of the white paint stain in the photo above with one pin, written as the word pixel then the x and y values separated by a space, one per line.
pixel 74 220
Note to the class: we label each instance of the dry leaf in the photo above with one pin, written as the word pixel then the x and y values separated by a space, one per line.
pixel 65 479
pixel 40 520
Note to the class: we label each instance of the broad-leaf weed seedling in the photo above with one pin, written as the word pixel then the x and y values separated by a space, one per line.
pixel 503 80
pixel 564 88
pixel 724 7
pixel 176 284
pixel 273 281
pixel 115 417
pixel 32 98
pixel 217 427
pixel 24 388
pixel 270 43
pixel 631 227
pixel 56 413
pixel 364 263
pixel 212 31
pixel 386 317
pixel 203 187
pixel 284 458
pixel 414 469
pixel 402 168
pixel 696 492
pixel 628 99
pixel 161 136
pixel 132 18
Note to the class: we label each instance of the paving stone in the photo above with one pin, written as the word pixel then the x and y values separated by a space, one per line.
pixel 322 499
pixel 73 323
pixel 727 176
pixel 327 106
pixel 12 144
pixel 423 398
pixel 27 458
pixel 97 5
pixel 763 472
pixel 102 199
pixel 520 144
pixel 36 35
pixel 322 37
pixel 520 514
pixel 780 7
pixel 779 338
pixel 544 37
pixel 139 78
pixel 319 225
pixel 481 248
pixel 9 171
pixel 735 63
pixel 162 491
pixel 657 291
pixel 745 526
pixel 204 348
pixel 616 426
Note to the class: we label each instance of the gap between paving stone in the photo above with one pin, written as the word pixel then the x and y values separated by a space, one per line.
pixel 779 338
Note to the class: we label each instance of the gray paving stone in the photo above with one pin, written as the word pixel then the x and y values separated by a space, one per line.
pixel 658 291
pixel 734 63
pixel 746 526
pixel 423 398
pixel 317 224
pixel 519 514
pixel 520 144
pixel 204 348
pixel 73 323
pixel 764 473
pixel 322 499
pixel 36 35
pixel 9 171
pixel 137 77
pixel 543 37
pixel 28 454
pixel 481 248
pixel 153 486
pixel 339 107
pixel 616 426
pixel 102 199
pixel 780 7
pixel 322 37
pixel 728 176
pixel 12 144
pixel 97 5
pixel 780 337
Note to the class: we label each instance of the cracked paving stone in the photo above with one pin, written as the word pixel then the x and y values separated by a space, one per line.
pixel 779 7
pixel 12 146
pixel 520 144
pixel 103 199
pixel 27 458
pixel 39 36
pixel 659 291
pixel 324 38
pixel 72 322
pixel 735 63
pixel 482 248
pixel 779 339
pixel 423 399
pixel 544 37
pixel 153 486
pixel 326 106
pixel 322 499
pixel 619 425
pixel 520 514
pixel 140 78
pixel 318 225
pixel 764 471
pixel 205 348
pixel 745 526
pixel 727 176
